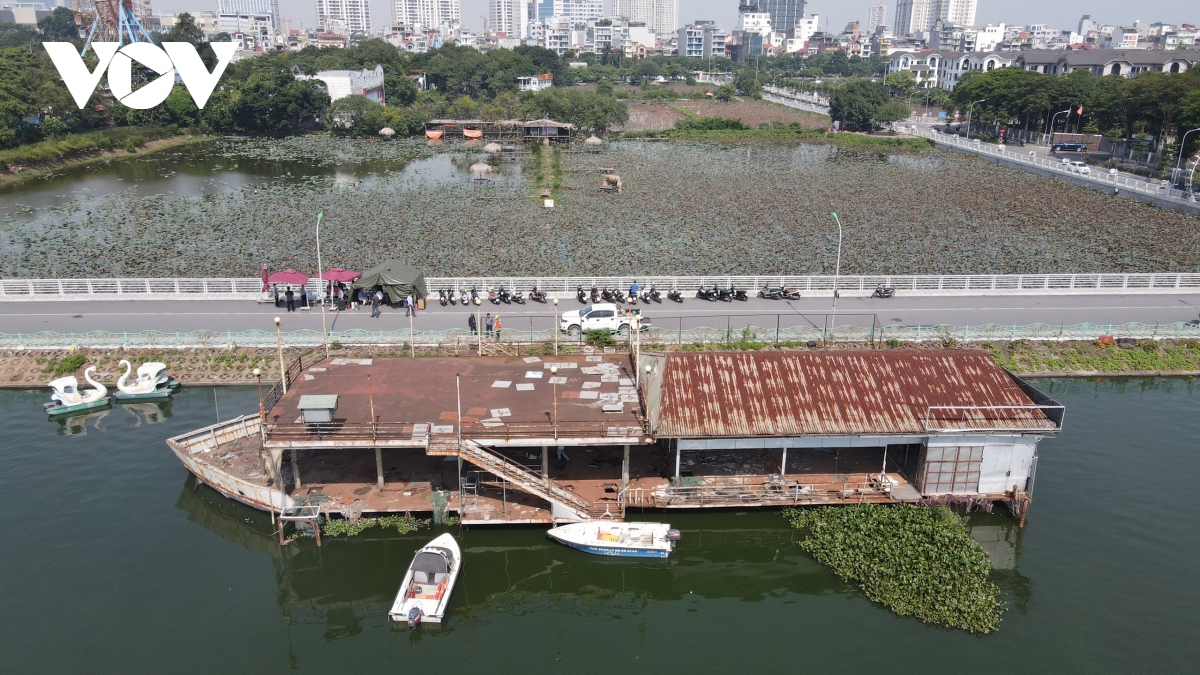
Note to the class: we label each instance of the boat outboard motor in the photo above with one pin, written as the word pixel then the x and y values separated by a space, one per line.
pixel 673 536
pixel 414 617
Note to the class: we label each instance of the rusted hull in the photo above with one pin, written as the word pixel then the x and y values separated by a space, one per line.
pixel 258 496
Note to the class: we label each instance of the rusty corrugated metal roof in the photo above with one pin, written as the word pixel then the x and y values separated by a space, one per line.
pixel 744 394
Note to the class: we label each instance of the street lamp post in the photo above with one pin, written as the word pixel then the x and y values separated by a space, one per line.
pixel 554 397
pixel 837 270
pixel 969 109
pixel 321 276
pixel 1052 119
pixel 262 417
pixel 1179 159
pixel 279 342
pixel 556 326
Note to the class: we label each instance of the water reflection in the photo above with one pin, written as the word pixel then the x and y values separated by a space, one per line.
pixel 349 584
pixel 77 425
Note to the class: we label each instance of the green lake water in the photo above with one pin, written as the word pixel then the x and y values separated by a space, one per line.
pixel 113 561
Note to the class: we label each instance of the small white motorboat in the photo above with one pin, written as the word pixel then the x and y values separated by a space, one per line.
pixel 67 397
pixel 152 383
pixel 425 593
pixel 631 540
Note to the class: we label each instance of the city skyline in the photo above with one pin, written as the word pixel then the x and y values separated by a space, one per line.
pixel 834 15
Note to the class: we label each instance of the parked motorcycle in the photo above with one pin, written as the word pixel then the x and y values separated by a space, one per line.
pixel 882 291
pixel 675 296
pixel 580 295
pixel 463 298
pixel 633 298
pixel 595 296
pixel 770 293
pixel 517 297
pixel 442 297
pixel 791 294
pixel 655 295
pixel 537 296
pixel 493 296
pixel 475 299
pixel 451 296
pixel 705 293
pixel 737 293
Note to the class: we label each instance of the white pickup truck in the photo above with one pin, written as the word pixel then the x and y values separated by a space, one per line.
pixel 600 316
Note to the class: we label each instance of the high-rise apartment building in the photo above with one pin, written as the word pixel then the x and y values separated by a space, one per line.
pixel 426 14
pixel 660 16
pixel 915 16
pixel 510 17
pixel 876 17
pixel 784 14
pixel 353 15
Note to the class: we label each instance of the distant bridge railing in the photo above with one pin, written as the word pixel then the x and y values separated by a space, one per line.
pixel 769 332
pixel 565 287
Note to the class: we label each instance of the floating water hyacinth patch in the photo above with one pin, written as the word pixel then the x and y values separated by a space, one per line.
pixel 915 560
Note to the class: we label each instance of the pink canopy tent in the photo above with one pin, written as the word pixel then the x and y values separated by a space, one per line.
pixel 288 277
pixel 339 274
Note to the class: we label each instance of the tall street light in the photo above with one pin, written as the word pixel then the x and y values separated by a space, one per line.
pixel 837 270
pixel 1052 119
pixel 1179 159
pixel 279 341
pixel 969 108
pixel 321 276
pixel 556 326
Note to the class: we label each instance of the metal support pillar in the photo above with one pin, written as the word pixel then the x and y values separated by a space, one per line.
pixel 783 465
pixel 625 468
pixel 296 468
pixel 545 461
pixel 676 462
pixel 379 468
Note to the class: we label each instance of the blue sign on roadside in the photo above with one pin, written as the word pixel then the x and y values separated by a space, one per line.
pixel 941 115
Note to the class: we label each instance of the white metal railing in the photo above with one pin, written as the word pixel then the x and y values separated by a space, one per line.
pixel 1115 179
pixel 967 284
pixel 806 101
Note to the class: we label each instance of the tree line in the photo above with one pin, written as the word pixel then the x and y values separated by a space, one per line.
pixel 1154 107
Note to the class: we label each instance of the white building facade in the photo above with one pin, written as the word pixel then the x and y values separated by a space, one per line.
pixel 426 15
pixel 354 15
pixel 510 17
pixel 660 16
pixel 876 17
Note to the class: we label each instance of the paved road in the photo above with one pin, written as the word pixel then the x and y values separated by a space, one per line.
pixel 64 317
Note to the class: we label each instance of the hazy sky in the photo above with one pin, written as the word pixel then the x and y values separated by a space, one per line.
pixel 1062 14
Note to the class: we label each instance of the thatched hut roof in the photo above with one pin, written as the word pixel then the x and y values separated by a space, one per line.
pixel 481 167
pixel 387 132
pixel 592 140
pixel 492 147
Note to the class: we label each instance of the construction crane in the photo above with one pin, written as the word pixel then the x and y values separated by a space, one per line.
pixel 116 21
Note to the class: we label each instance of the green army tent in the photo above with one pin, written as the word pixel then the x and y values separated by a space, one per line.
pixel 396 278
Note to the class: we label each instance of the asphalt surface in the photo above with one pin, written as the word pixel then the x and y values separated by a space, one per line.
pixel 192 315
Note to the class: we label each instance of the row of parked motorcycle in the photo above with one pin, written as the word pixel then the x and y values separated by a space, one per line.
pixel 710 293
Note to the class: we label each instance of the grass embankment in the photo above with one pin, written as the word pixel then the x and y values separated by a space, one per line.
pixel 690 129
pixel 915 560
pixel 77 149
pixel 219 365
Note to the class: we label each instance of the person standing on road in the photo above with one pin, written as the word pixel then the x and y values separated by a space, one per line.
pixel 488 324
pixel 375 304
pixel 408 306
pixel 291 299
pixel 471 324
pixel 496 325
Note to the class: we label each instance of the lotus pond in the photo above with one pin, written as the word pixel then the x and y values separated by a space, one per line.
pixel 224 208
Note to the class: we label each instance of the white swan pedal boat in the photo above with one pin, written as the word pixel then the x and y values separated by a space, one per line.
pixel 425 593
pixel 69 399
pixel 631 540
pixel 152 383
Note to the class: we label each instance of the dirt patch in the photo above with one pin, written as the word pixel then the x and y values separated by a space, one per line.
pixel 754 113
pixel 650 117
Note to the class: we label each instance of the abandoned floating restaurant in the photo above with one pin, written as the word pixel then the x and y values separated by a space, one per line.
pixel 507 439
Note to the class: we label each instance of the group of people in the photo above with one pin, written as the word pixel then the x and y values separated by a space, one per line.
pixel 491 325
pixel 340 296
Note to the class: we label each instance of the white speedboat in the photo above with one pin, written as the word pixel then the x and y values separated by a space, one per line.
pixel 632 540
pixel 425 593
pixel 152 383
pixel 68 398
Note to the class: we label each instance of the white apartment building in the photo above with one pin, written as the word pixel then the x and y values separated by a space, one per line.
pixel 804 29
pixel 354 15
pixel 753 21
pixel 510 17
pixel 919 16
pixel 876 17
pixel 426 15
pixel 660 16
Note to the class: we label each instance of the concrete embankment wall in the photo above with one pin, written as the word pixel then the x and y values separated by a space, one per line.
pixel 1191 209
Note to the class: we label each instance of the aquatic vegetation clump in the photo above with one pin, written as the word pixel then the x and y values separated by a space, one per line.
pixel 330 151
pixel 915 560
pixel 404 524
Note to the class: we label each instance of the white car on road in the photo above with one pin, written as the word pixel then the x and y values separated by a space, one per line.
pixel 599 316
pixel 1078 167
